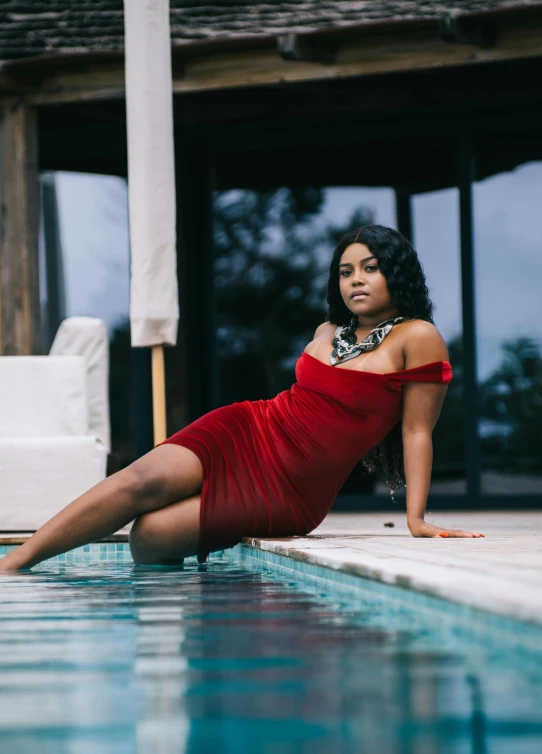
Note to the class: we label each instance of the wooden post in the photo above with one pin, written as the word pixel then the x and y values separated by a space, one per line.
pixel 20 331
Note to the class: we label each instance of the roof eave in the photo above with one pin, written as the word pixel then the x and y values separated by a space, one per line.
pixel 197 47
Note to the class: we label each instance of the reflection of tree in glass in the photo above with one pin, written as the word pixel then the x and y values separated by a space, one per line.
pixel 511 410
pixel 272 255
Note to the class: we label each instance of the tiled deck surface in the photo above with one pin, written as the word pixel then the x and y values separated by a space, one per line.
pixel 501 573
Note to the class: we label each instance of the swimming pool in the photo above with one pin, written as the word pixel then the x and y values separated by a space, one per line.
pixel 97 655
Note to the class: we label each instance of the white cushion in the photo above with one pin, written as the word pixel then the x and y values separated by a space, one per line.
pixel 43 396
pixel 87 337
pixel 39 477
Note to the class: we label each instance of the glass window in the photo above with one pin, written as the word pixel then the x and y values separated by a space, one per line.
pixel 508 260
pixel 437 241
pixel 435 236
pixel 85 272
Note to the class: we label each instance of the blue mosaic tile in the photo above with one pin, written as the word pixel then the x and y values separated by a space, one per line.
pixel 91 553
pixel 475 619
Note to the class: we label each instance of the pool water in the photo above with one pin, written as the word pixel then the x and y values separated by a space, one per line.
pixel 103 656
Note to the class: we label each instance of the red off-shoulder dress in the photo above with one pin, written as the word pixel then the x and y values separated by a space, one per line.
pixel 272 468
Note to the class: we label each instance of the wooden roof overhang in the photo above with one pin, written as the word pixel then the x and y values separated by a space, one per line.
pixel 357 49
pixel 279 100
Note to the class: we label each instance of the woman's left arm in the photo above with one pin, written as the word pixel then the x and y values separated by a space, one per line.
pixel 422 403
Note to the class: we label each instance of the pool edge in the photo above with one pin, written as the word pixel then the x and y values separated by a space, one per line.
pixel 317 566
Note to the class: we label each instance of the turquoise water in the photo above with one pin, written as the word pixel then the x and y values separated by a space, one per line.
pixel 103 656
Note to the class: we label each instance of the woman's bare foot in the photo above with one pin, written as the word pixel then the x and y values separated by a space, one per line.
pixel 10 562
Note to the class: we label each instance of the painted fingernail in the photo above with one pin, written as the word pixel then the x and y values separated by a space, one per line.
pixel 443 534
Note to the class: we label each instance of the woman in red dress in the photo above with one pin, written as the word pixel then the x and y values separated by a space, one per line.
pixel 370 386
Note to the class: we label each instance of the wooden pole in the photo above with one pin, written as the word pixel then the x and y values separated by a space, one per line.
pixel 20 326
pixel 158 394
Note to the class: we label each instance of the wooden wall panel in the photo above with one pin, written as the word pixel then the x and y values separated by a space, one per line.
pixel 19 226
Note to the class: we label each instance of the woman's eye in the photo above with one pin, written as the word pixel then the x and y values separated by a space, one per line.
pixel 367 269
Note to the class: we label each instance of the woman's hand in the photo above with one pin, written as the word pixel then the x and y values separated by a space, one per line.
pixel 422 529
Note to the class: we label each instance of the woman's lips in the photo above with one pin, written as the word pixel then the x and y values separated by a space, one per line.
pixel 359 295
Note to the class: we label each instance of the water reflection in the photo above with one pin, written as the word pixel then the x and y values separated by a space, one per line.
pixel 225 659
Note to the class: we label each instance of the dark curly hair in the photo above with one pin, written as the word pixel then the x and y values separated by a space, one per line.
pixel 404 275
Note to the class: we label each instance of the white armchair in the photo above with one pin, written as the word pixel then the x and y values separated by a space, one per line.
pixel 54 424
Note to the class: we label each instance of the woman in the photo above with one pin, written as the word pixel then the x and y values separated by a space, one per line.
pixel 369 385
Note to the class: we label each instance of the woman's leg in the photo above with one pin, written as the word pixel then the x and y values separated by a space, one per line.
pixel 165 475
pixel 167 536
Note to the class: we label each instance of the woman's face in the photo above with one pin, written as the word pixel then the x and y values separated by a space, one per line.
pixel 363 287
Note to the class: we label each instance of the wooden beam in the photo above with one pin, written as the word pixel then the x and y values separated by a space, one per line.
pixel 20 331
pixel 512 84
pixel 372 51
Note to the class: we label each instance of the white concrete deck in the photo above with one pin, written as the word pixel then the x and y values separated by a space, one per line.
pixel 501 573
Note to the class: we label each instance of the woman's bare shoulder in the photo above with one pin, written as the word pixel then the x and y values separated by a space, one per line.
pixel 423 343
pixel 324 329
